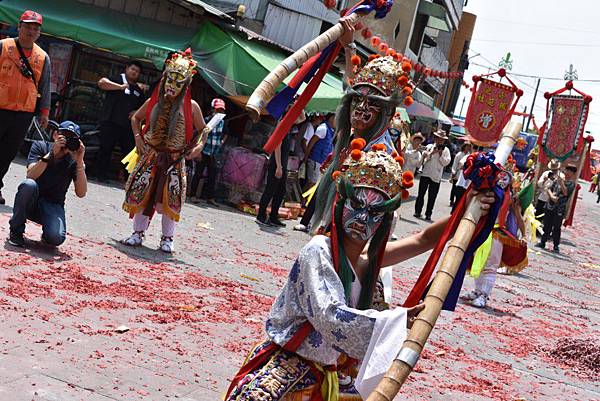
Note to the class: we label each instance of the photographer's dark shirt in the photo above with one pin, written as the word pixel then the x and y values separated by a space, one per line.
pixel 560 206
pixel 54 182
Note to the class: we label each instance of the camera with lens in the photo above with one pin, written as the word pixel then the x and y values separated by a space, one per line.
pixel 73 143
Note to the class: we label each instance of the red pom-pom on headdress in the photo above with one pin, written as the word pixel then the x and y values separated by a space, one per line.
pixel 403 80
pixel 336 174
pixel 406 66
pixel 400 160
pixel 379 147
pixel 408 101
pixel 408 184
pixel 408 176
pixel 407 90
pixel 356 60
pixel 358 143
pixel 356 154
pixel 405 194
pixel 373 57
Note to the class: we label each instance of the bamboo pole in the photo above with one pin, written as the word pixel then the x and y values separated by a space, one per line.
pixel 411 350
pixel 265 91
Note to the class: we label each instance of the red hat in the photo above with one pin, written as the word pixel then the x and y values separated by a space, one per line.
pixel 218 104
pixel 31 16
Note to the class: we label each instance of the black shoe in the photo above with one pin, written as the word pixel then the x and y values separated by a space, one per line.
pixel 540 245
pixel 212 202
pixel 16 239
pixel 428 218
pixel 2 200
pixel 276 222
pixel 417 215
pixel 262 220
pixel 556 250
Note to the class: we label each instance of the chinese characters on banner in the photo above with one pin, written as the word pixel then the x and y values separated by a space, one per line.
pixel 489 111
pixel 566 122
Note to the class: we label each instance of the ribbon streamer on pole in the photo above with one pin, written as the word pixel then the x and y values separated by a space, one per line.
pixel 409 354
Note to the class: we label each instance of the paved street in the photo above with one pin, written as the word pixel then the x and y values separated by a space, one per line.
pixel 193 316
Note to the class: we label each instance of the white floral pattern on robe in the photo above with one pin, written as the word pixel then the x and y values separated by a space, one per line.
pixel 314 292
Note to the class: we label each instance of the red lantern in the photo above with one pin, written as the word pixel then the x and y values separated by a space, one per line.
pixel 427 71
pixel 359 26
pixel 330 3
pixel 418 67
pixel 383 47
pixel 375 41
pixel 366 33
pixel 569 85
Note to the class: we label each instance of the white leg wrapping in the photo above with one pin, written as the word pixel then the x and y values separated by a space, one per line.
pixel 168 226
pixel 486 280
pixel 140 222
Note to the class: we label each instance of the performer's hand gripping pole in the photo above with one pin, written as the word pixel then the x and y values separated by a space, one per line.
pixel 411 350
pixel 265 91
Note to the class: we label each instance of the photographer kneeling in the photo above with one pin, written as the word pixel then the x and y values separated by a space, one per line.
pixel 41 197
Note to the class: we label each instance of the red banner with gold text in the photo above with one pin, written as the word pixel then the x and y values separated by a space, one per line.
pixel 566 122
pixel 489 111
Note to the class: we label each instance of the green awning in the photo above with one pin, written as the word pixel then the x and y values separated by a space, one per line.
pixel 436 13
pixel 234 65
pixel 102 28
pixel 403 114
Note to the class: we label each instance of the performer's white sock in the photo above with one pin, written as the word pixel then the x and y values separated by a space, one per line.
pixel 140 222
pixel 168 226
pixel 486 280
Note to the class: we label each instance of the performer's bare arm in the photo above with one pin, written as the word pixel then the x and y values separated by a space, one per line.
pixel 136 125
pixel 425 240
pixel 107 85
pixel 199 124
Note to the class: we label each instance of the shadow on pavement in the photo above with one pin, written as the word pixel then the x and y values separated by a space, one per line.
pixel 145 253
pixel 39 250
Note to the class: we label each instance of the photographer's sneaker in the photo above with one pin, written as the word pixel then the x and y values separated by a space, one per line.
pixel 166 244
pixel 134 239
pixel 16 239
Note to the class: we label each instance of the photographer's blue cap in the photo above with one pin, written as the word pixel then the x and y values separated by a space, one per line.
pixel 71 127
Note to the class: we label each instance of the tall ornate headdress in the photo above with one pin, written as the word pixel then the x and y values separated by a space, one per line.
pixel 387 74
pixel 182 63
pixel 375 169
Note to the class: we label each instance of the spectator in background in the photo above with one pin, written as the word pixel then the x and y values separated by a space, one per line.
pixel 435 158
pixel 544 183
pixel 594 183
pixel 214 143
pixel 25 88
pixel 556 207
pixel 41 197
pixel 275 187
pixel 318 148
pixel 465 150
pixel 123 97
pixel 412 154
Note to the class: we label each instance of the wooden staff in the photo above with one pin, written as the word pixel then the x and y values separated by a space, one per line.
pixel 265 91
pixel 408 356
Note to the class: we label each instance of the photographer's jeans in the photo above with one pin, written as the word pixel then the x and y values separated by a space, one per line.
pixel 50 215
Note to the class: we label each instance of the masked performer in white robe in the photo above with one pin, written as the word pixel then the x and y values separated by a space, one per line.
pixel 158 180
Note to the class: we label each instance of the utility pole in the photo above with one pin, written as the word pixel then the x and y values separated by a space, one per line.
pixel 537 87
pixel 461 106
pixel 524 114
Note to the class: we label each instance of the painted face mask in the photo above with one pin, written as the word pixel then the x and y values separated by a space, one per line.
pixel 365 111
pixel 174 83
pixel 361 217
